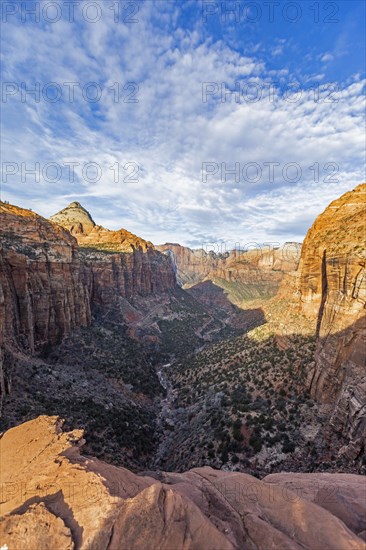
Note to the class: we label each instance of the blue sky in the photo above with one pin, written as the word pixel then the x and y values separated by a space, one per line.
pixel 152 158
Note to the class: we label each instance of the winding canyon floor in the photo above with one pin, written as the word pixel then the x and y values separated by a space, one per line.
pixel 192 381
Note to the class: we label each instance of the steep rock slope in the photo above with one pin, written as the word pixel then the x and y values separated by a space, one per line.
pixel 48 285
pixel 257 273
pixel 44 288
pixel 331 285
pixel 191 266
pixel 55 498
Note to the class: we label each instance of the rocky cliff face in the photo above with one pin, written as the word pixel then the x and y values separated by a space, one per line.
pixel 191 266
pixel 48 285
pixel 53 497
pixel 331 285
pixel 44 287
pixel 254 273
pixel 122 264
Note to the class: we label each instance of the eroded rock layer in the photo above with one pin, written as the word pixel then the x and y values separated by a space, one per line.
pixel 53 497
pixel 331 284
pixel 45 289
pixel 77 220
pixel 244 274
pixel 48 285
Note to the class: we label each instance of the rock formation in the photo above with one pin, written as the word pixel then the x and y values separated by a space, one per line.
pixel 191 266
pixel 45 290
pixel 75 219
pixel 81 225
pixel 121 263
pixel 53 497
pixel 245 274
pixel 48 286
pixel 331 285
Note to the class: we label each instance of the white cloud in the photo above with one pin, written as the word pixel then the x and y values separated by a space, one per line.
pixel 170 132
pixel 325 58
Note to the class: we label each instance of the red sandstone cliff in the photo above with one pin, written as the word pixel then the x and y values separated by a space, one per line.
pixel 44 288
pixel 260 270
pixel 191 266
pixel 331 284
pixel 48 285
pixel 77 220
pixel 121 263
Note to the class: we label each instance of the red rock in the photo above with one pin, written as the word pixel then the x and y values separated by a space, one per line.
pixel 331 285
pixel 70 501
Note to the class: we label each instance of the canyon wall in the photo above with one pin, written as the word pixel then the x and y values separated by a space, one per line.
pixel 256 272
pixel 191 266
pixel 44 288
pixel 49 285
pixel 121 263
pixel 331 285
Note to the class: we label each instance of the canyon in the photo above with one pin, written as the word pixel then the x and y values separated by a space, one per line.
pixel 202 373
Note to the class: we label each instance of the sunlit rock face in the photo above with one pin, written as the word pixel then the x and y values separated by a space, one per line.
pixel 244 274
pixel 191 266
pixel 53 497
pixel 48 284
pixel 78 221
pixel 121 263
pixel 331 284
pixel 45 289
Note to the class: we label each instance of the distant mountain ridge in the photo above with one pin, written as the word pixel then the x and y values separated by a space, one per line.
pixel 243 274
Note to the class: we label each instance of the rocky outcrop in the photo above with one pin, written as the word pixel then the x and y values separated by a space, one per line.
pixel 77 220
pixel 331 285
pixel 48 285
pixel 122 265
pixel 343 495
pixel 128 275
pixel 53 497
pixel 191 266
pixel 44 288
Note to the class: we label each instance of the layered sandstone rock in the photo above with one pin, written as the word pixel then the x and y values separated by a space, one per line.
pixel 256 272
pixel 122 264
pixel 191 266
pixel 44 288
pixel 344 495
pixel 52 497
pixel 48 285
pixel 331 285
pixel 77 220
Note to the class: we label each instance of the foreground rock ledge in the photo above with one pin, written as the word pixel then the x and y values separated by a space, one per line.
pixel 52 497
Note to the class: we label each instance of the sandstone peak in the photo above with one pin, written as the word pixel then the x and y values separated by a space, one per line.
pixel 78 221
pixel 75 218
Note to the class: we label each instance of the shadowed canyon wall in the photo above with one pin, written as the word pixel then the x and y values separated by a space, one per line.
pixel 331 285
